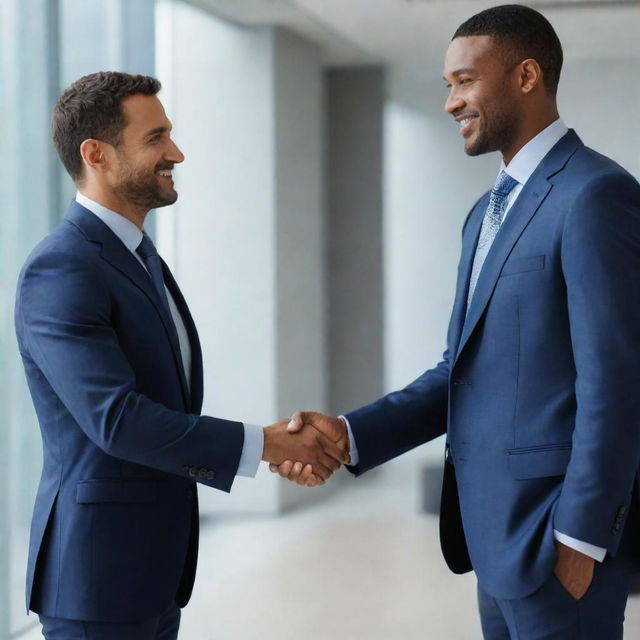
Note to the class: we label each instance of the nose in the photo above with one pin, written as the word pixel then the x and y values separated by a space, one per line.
pixel 454 101
pixel 174 154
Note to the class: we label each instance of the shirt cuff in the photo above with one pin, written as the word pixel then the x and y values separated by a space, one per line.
pixel 353 450
pixel 252 448
pixel 597 553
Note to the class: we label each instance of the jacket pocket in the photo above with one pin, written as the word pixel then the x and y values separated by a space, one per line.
pixel 521 265
pixel 123 491
pixel 539 462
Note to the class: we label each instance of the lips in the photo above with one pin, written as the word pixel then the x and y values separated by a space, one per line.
pixel 466 122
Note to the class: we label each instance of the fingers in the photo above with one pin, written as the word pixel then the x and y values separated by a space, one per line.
pixel 297 422
pixel 296 473
pixel 283 469
pixel 305 474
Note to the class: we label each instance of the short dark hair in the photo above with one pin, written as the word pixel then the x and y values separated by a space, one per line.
pixel 523 33
pixel 91 107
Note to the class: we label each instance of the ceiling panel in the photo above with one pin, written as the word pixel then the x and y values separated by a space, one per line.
pixel 416 33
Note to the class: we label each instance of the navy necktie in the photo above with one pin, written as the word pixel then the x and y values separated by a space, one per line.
pixel 490 226
pixel 147 251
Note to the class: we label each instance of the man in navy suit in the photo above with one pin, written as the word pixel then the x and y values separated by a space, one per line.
pixel 537 390
pixel 114 367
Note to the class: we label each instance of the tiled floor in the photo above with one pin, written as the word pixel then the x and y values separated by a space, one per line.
pixel 359 564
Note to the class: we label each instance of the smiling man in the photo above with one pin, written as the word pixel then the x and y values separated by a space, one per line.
pixel 114 367
pixel 537 389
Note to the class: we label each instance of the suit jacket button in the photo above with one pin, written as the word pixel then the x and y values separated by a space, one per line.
pixel 211 475
pixel 185 468
pixel 202 473
pixel 193 472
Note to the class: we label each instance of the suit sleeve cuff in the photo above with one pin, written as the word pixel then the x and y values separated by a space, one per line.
pixel 251 451
pixel 353 449
pixel 597 553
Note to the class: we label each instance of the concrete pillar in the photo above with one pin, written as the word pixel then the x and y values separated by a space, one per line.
pixel 355 159
pixel 245 237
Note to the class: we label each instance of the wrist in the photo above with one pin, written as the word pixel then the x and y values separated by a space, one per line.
pixel 267 453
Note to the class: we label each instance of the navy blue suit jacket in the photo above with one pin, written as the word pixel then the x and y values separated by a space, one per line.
pixel 538 387
pixel 114 534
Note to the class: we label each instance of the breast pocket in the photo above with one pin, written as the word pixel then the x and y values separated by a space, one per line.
pixel 522 265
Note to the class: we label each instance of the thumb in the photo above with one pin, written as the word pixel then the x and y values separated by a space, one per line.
pixel 296 423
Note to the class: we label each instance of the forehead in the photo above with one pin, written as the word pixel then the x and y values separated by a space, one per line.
pixel 144 112
pixel 472 52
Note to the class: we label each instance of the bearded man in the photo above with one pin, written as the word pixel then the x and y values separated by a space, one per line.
pixel 114 367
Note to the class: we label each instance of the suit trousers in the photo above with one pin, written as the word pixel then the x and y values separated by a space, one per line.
pixel 163 627
pixel 551 612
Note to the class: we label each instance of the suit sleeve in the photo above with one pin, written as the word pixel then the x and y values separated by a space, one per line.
pixel 601 265
pixel 63 320
pixel 403 419
pixel 407 418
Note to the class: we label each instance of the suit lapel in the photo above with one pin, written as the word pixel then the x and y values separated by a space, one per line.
pixel 118 256
pixel 469 242
pixel 527 204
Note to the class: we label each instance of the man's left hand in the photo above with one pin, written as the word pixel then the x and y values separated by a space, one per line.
pixel 574 570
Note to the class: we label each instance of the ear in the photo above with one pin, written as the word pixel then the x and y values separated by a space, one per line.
pixel 93 154
pixel 530 75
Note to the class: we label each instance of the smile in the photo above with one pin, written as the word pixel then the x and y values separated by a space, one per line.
pixel 465 123
pixel 165 173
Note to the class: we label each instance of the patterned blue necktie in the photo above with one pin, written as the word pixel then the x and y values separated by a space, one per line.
pixel 490 226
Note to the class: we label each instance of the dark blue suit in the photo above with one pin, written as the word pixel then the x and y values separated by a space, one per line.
pixel 115 528
pixel 538 390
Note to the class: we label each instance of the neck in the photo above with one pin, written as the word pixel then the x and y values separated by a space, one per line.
pixel 532 125
pixel 112 201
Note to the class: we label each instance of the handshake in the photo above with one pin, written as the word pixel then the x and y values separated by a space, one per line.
pixel 308 448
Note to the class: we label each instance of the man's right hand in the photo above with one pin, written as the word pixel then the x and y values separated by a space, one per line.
pixel 289 440
pixel 331 427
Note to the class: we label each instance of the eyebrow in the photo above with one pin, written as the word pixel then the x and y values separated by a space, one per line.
pixel 156 131
pixel 459 72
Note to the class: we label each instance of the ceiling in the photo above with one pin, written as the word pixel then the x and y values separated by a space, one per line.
pixel 415 33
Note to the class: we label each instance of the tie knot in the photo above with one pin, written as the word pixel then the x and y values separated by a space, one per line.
pixel 504 184
pixel 146 248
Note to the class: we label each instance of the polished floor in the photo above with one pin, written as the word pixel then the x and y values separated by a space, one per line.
pixel 360 562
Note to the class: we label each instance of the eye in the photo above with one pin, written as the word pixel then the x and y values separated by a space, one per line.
pixel 465 80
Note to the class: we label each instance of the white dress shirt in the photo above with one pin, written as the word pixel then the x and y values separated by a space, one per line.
pixel 521 167
pixel 131 236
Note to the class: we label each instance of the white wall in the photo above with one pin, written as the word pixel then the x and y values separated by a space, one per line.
pixel 599 99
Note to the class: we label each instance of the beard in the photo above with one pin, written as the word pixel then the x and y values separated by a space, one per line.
pixel 497 132
pixel 144 189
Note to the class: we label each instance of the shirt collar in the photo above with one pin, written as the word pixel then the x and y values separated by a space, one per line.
pixel 128 233
pixel 525 162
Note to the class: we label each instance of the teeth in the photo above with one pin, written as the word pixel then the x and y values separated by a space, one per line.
pixel 166 173
pixel 465 121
